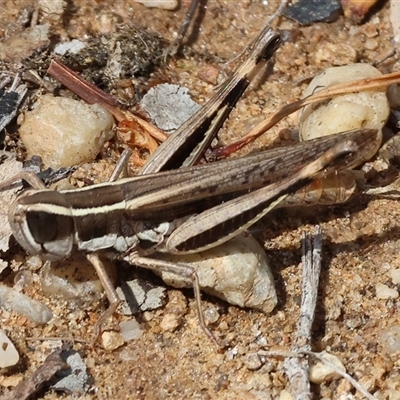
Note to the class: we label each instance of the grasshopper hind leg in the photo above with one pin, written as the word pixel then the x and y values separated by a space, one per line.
pixel 180 269
pixel 112 296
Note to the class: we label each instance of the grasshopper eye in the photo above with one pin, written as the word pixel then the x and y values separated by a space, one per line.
pixel 43 224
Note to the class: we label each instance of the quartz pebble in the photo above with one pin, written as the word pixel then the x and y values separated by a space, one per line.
pixel 237 272
pixel 163 4
pixel 130 330
pixel 34 310
pixel 319 372
pixel 8 353
pixel 384 292
pixel 75 279
pixel 343 113
pixel 252 361
pixel 74 47
pixel 395 275
pixel 390 339
pixel 395 20
pixel 65 132
pixel 112 340
pixel 285 395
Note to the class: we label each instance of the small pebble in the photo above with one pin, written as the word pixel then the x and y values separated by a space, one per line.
pixel 368 382
pixel 11 381
pixel 130 330
pixel 371 44
pixel 209 74
pixel 137 295
pixel 319 372
pixel 346 112
pixel 75 278
pixel 112 340
pixel 163 4
pixel 169 106
pixel 384 292
pixel 390 339
pixel 211 314
pixel 65 132
pixel 74 380
pixel 252 361
pixel 395 20
pixel 8 353
pixel 52 7
pixel 73 47
pixel 170 322
pixel 285 395
pixel 221 273
pixel 35 311
pixel 395 275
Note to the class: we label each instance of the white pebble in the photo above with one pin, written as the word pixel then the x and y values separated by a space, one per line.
pixel 395 275
pixel 11 300
pixel 384 292
pixel 161 99
pixel 395 20
pixel 319 372
pixel 346 112
pixel 164 4
pixel 74 47
pixel 75 279
pixel 8 353
pixel 112 340
pixel 390 339
pixel 50 7
pixel 237 272
pixel 130 330
pixel 285 395
pixel 65 132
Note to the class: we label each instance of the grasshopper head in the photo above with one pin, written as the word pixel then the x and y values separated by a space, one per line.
pixel 42 223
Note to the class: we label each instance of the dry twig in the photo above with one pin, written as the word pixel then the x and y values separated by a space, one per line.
pixel 297 368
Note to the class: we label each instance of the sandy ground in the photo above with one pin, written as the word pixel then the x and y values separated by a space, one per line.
pixel 360 246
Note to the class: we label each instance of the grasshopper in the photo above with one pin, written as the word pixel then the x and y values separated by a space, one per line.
pixel 190 209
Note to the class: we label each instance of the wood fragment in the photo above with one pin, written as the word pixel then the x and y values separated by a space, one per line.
pixel 296 362
pixel 297 368
pixel 92 94
pixel 30 386
pixel 189 16
pixel 365 84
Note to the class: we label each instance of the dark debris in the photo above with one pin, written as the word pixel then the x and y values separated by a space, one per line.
pixel 129 53
pixel 30 386
pixel 10 98
pixel 307 12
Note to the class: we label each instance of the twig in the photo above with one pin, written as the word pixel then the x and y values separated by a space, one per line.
pixel 296 361
pixel 297 368
pixel 29 387
pixel 360 85
pixel 177 43
pixel 92 94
